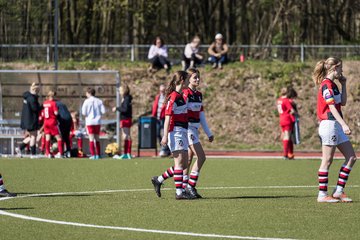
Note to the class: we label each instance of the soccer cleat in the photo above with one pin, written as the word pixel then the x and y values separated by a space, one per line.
pixel 184 196
pixel 342 197
pixel 33 157
pixel 6 193
pixel 125 156
pixel 327 199
pixel 291 156
pixel 192 192
pixel 129 156
pixel 92 158
pixel 49 156
pixel 116 156
pixel 97 157
pixel 157 185
pixel 58 155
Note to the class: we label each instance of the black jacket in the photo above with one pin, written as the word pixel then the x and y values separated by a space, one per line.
pixel 30 112
pixel 64 116
pixel 125 108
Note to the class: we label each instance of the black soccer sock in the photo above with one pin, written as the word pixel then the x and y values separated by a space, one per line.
pixel 33 150
pixel 22 146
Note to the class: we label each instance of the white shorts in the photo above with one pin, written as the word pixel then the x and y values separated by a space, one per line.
pixel 331 133
pixel 193 135
pixel 178 140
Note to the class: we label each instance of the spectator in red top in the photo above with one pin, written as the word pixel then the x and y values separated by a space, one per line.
pixel 287 119
pixel 158 112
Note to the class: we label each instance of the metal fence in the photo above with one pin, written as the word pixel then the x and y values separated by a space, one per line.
pixel 45 53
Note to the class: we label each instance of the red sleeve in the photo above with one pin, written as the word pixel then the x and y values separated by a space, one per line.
pixel 328 94
pixel 54 107
pixel 155 106
pixel 185 94
pixel 170 105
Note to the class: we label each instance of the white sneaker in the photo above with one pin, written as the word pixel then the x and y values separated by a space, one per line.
pixel 33 156
pixel 342 197
pixel 116 156
pixel 18 152
pixel 327 199
pixel 58 155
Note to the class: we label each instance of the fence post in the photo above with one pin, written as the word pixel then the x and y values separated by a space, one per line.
pixel 132 53
pixel 302 52
pixel 47 53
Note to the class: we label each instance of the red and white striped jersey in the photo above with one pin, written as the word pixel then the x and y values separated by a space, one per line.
pixel 195 106
pixel 177 109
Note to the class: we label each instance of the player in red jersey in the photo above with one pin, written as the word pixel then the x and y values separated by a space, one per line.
pixel 333 130
pixel 175 135
pixel 196 118
pixel 287 119
pixel 51 127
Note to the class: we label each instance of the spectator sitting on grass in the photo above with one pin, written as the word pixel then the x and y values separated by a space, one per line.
pixel 158 56
pixel 191 57
pixel 218 51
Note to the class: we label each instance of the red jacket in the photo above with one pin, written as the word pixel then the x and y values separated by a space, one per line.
pixel 155 107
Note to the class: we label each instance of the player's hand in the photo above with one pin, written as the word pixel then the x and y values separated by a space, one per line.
pixel 114 109
pixel 346 129
pixel 211 138
pixel 342 80
pixel 164 141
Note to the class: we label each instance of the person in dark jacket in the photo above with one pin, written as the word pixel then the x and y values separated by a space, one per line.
pixel 3 191
pixel 30 116
pixel 65 124
pixel 125 110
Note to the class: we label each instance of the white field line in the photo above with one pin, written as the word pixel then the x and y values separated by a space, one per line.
pixel 24 217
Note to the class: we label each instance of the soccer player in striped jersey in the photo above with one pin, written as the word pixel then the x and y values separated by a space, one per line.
pixel 287 119
pixel 175 135
pixel 51 126
pixel 3 191
pixel 333 130
pixel 196 118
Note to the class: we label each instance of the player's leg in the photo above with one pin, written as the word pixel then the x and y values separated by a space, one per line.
pixel 285 140
pixel 47 145
pixel 180 160
pixel 195 170
pixel 32 143
pixel 186 170
pixel 127 143
pixel 22 146
pixel 350 158
pixel 91 141
pixel 60 146
pixel 97 145
pixel 3 191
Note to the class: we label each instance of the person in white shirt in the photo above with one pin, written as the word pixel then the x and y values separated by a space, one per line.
pixel 92 109
pixel 158 55
pixel 192 57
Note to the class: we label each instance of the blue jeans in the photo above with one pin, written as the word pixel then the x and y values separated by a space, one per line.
pixel 222 59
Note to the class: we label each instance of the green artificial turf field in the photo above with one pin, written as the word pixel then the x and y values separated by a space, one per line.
pixel 254 198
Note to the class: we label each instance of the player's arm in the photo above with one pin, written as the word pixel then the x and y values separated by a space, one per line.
pixel 102 108
pixel 342 81
pixel 164 140
pixel 340 120
pixel 205 126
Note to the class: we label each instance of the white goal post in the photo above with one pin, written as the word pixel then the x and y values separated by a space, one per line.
pixel 70 86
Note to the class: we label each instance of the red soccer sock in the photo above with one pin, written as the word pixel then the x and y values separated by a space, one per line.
pixel 98 148
pixel 129 147
pixel 286 147
pixel 126 146
pixel 43 144
pixel 92 148
pixel 60 147
pixel 80 143
pixel 178 179
pixel 291 148
pixel 47 147
pixel 194 176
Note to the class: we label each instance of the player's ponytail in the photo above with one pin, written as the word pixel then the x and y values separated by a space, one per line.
pixel 178 77
pixel 322 68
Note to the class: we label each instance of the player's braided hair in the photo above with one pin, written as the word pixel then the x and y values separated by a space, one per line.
pixel 178 77
pixel 322 67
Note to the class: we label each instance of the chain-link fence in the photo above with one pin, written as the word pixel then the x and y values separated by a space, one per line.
pixel 45 53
